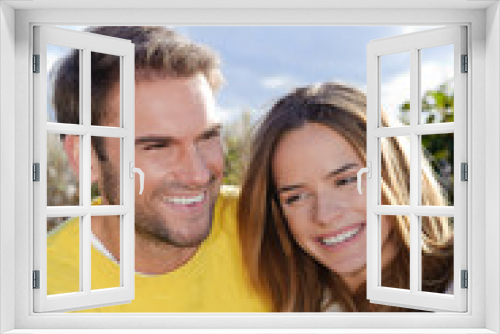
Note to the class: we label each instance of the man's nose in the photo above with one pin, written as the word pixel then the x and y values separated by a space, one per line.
pixel 192 169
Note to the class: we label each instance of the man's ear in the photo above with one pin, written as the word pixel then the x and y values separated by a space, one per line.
pixel 71 145
pixel 94 166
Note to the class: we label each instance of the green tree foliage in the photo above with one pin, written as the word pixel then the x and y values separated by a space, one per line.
pixel 235 137
pixel 437 106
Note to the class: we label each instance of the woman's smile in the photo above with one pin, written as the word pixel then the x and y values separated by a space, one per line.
pixel 342 238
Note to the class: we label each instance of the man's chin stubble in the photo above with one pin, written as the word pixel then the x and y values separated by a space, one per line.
pixel 150 229
pixel 163 237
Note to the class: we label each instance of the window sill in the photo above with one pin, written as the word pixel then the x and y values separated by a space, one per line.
pixel 252 331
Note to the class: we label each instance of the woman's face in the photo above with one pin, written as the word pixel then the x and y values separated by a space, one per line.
pixel 314 169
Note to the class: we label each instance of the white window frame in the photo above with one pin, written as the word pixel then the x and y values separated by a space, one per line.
pixel 85 43
pixel 484 49
pixel 413 44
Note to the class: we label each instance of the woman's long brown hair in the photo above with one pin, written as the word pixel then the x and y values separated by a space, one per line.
pixel 277 265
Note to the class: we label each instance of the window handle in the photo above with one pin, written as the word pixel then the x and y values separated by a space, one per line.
pixel 133 170
pixel 367 170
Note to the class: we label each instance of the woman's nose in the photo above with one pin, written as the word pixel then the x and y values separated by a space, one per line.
pixel 328 209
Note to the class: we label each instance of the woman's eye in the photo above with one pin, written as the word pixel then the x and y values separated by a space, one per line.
pixel 294 198
pixel 346 180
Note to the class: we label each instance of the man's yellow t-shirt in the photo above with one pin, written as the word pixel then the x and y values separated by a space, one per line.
pixel 214 280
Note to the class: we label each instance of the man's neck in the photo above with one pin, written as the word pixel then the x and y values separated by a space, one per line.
pixel 151 257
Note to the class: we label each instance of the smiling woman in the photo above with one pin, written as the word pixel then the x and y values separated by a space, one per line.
pixel 302 222
pixel 319 200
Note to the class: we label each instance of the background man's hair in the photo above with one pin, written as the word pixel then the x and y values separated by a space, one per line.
pixel 159 53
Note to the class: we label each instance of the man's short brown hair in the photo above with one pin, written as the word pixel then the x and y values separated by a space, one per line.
pixel 159 52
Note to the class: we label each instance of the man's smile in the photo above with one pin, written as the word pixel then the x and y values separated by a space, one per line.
pixel 183 202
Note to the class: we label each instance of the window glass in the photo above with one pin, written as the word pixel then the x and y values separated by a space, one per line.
pixel 106 176
pixel 56 272
pixel 437 254
pixel 395 258
pixel 438 178
pixel 63 181
pixel 395 90
pixel 68 109
pixel 436 84
pixel 395 156
pixel 105 262
pixel 101 76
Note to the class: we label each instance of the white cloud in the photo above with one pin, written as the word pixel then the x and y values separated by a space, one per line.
pixel 277 82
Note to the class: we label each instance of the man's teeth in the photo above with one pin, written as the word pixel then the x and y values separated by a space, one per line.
pixel 341 237
pixel 185 200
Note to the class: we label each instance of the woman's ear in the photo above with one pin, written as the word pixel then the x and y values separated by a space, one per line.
pixel 71 145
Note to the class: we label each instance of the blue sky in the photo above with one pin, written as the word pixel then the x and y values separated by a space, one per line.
pixel 262 63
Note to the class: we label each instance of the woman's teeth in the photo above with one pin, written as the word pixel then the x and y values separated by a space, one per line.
pixel 340 237
pixel 182 200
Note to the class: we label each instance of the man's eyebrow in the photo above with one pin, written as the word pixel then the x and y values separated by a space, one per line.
pixel 342 169
pixel 166 139
pixel 215 129
pixel 332 173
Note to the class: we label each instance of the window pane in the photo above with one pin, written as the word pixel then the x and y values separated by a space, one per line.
pixel 437 169
pixel 395 251
pixel 436 84
pixel 63 270
pixel 437 254
pixel 106 106
pixel 395 185
pixel 395 88
pixel 65 106
pixel 106 171
pixel 105 256
pixel 62 179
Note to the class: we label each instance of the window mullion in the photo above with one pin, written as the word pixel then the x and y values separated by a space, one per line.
pixel 414 170
pixel 108 210
pixel 392 210
pixel 127 88
pixel 85 274
pixel 85 247
pixel 80 177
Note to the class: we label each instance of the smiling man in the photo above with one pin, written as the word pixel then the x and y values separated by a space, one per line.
pixel 188 257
